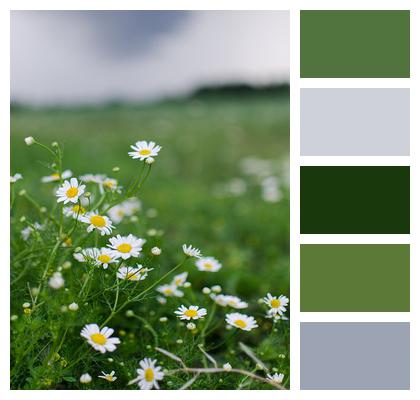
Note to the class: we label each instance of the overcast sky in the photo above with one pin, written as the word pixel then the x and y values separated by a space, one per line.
pixel 70 57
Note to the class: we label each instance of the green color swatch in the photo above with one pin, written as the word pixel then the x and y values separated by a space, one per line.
pixel 355 199
pixel 355 277
pixel 355 44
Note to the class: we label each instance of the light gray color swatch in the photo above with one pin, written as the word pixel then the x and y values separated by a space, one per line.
pixel 355 122
pixel 355 355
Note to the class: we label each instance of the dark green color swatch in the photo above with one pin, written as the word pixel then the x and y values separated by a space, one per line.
pixel 355 200
pixel 355 44
pixel 355 277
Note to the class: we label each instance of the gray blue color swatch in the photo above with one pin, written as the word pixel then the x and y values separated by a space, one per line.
pixel 355 122
pixel 355 355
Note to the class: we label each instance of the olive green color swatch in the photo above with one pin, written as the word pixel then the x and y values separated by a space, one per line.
pixel 355 44
pixel 349 200
pixel 355 278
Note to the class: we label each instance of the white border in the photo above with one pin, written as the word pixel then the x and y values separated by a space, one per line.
pixel 296 83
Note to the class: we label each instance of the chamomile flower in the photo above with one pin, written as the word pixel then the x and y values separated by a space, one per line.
pixel 227 367
pixel 170 291
pixel 144 150
pixel 92 178
pixel 125 209
pixel 29 140
pixel 192 312
pixel 234 302
pixel 86 255
pixel 241 321
pixel 156 251
pixel 108 377
pixel 277 304
pixel 191 251
pixel 132 274
pixel 56 281
pixel 276 378
pixel 126 246
pixel 75 211
pixel 70 191
pixel 26 232
pixel 100 339
pixel 109 184
pixel 15 178
pixel 99 222
pixel 180 279
pixel 149 374
pixel 104 257
pixel 54 177
pixel 208 264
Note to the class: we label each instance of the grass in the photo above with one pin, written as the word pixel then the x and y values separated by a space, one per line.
pixel 189 198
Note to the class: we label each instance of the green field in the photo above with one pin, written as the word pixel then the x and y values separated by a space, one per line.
pixel 205 141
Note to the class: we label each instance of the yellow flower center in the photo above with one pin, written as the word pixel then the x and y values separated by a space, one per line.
pixel 168 291
pixel 240 323
pixel 132 276
pixel 208 265
pixel 191 313
pixel 104 258
pixel 78 209
pixel 178 281
pixel 97 221
pixel 149 375
pixel 144 152
pixel 124 248
pixel 232 302
pixel 275 303
pixel 55 175
pixel 109 378
pixel 68 242
pixel 98 338
pixel 72 192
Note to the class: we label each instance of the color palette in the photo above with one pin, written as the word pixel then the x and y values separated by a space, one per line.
pixel 367 272
pixel 355 122
pixel 355 44
pixel 355 199
pixel 355 355
pixel 355 277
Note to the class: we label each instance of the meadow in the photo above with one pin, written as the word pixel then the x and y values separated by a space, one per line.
pixel 220 183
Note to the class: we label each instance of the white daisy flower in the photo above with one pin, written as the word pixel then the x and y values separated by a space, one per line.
pixel 126 246
pixel 108 377
pixel 92 178
pixel 26 232
pixel 149 374
pixel 144 150
pixel 276 378
pixel 109 183
pixel 56 176
pixel 192 312
pixel 70 191
pixel 241 321
pixel 208 264
pixel 85 378
pixel 180 279
pixel 104 257
pixel 125 209
pixel 100 339
pixel 96 221
pixel 75 211
pixel 15 178
pixel 133 274
pixel 170 291
pixel 277 304
pixel 86 255
pixel 191 251
pixel 234 302
pixel 56 281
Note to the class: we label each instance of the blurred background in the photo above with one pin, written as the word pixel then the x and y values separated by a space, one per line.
pixel 211 87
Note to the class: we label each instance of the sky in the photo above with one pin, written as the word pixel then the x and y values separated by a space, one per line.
pixel 79 57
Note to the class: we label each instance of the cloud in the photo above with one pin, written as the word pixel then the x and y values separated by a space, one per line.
pixel 74 57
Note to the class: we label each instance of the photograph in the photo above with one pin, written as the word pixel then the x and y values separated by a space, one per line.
pixel 149 200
